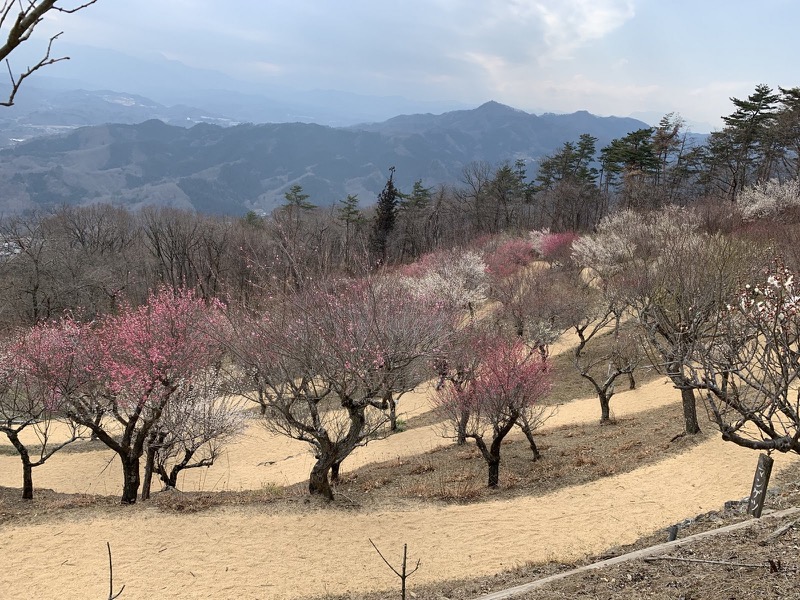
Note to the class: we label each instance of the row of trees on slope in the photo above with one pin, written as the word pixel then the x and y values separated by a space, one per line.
pixel 328 362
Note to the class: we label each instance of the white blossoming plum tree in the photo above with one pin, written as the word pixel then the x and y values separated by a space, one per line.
pixel 751 367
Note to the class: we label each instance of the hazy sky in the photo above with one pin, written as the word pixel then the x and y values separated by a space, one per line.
pixel 606 56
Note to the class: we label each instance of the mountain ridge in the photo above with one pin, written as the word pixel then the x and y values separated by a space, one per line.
pixel 231 170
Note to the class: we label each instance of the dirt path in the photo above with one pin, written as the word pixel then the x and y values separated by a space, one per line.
pixel 257 552
pixel 251 553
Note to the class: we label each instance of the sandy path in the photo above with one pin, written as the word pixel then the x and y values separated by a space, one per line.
pixel 262 552
pixel 247 553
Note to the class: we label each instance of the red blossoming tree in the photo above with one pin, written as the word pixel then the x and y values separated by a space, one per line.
pixel 128 367
pixel 28 407
pixel 507 385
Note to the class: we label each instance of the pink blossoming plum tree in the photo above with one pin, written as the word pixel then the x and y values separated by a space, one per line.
pixel 508 383
pixel 128 365
pixel 29 408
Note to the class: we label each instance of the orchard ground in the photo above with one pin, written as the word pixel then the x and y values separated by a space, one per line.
pixel 246 529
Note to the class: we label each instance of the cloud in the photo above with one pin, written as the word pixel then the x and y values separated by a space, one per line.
pixel 571 24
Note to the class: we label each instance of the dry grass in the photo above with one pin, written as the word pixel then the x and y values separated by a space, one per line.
pixel 570 456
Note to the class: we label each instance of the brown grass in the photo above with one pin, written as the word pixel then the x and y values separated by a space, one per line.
pixel 570 456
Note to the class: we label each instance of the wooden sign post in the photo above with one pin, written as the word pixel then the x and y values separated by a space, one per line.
pixel 760 482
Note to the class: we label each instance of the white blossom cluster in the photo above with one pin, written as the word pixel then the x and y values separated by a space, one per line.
pixel 769 199
pixel 456 278
pixel 537 238
pixel 775 301
pixel 626 236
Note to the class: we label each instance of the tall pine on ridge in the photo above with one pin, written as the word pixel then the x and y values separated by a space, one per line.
pixel 385 217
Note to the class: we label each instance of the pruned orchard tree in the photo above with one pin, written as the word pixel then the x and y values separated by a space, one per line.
pixel 508 382
pixel 200 419
pixel 330 357
pixel 21 18
pixel 29 413
pixel 750 368
pixel 128 367
pixel 605 352
pixel 675 279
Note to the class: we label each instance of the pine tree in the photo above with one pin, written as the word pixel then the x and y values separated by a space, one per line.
pixel 349 214
pixel 385 218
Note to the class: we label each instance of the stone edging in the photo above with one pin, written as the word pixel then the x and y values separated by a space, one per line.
pixel 651 551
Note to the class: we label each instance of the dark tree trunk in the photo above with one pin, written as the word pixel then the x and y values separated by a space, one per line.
pixel 318 484
pixel 335 472
pixel 130 475
pixel 27 467
pixel 690 411
pixel 388 398
pixel 262 400
pixel 27 479
pixel 462 429
pixel 156 440
pixel 147 480
pixel 98 419
pixel 494 471
pixel 605 409
pixel 526 429
pixel 169 479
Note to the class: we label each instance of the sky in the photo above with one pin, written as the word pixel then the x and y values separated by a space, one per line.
pixel 610 57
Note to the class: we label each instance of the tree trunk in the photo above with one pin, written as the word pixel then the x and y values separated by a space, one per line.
pixel 318 483
pixel 526 429
pixel 462 429
pixel 494 471
pixel 605 409
pixel 690 411
pixel 98 419
pixel 335 472
pixel 27 479
pixel 130 474
pixel 389 400
pixel 27 467
pixel 148 472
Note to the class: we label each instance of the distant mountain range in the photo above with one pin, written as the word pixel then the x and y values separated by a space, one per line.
pixel 230 170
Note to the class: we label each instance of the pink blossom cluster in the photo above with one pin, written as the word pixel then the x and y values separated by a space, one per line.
pixel 508 378
pixel 509 257
pixel 557 246
pixel 133 357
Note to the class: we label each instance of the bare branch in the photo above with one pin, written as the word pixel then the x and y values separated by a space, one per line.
pixel 111 594
pixel 30 15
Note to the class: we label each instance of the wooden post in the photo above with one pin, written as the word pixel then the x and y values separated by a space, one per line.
pixel 672 533
pixel 760 482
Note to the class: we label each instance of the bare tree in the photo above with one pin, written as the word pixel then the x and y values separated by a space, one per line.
pixel 675 279
pixel 328 356
pixel 200 419
pixel 22 17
